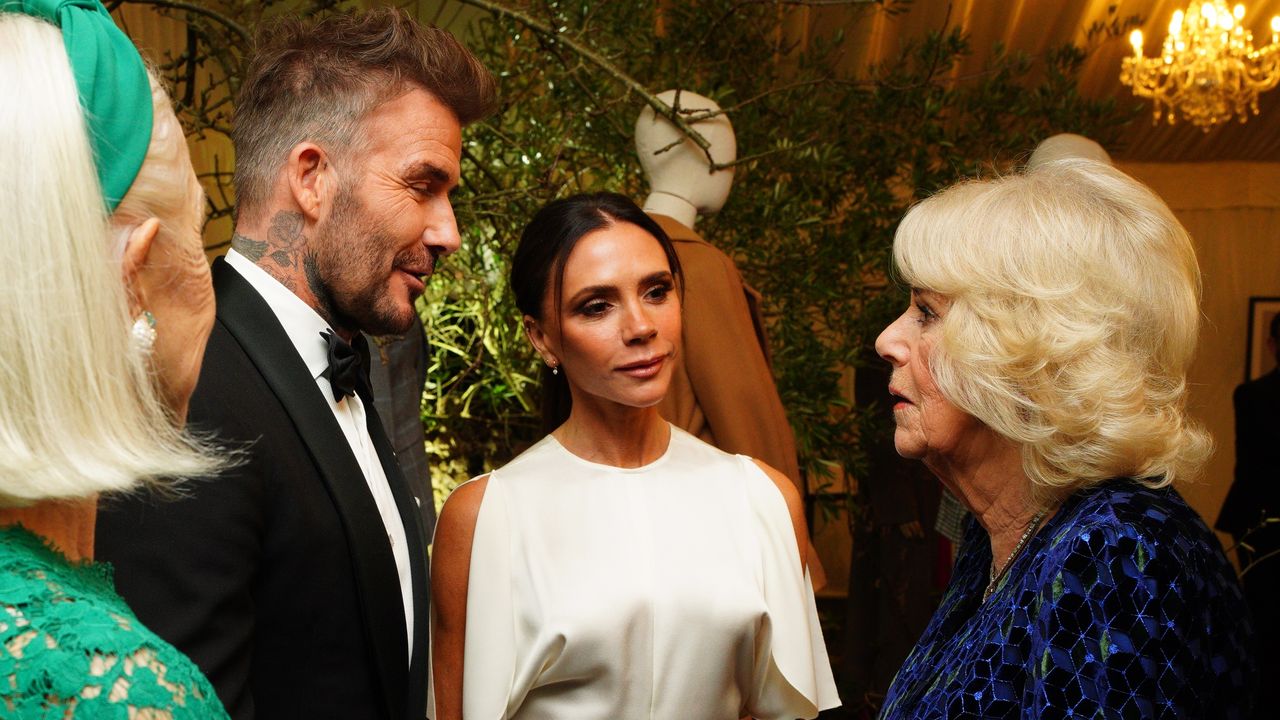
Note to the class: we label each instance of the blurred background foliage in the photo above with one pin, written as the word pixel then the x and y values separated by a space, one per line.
pixel 830 156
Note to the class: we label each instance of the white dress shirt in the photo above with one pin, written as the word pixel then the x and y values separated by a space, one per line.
pixel 303 325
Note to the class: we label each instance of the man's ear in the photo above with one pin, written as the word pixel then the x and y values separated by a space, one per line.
pixel 533 330
pixel 137 255
pixel 311 179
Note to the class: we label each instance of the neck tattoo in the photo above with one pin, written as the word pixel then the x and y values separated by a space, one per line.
pixel 995 575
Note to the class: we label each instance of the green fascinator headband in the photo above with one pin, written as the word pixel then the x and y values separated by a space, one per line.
pixel 114 90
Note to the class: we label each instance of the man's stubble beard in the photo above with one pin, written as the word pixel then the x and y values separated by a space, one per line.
pixel 348 249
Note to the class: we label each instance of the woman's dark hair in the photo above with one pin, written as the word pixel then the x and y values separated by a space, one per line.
pixel 538 266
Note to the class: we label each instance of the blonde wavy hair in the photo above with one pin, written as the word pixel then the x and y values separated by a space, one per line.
pixel 80 411
pixel 1075 310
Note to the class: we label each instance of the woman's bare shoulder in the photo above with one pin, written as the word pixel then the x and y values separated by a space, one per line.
pixel 795 506
pixel 790 493
pixel 458 516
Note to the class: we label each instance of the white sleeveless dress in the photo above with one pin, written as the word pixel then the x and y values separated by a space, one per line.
pixel 672 591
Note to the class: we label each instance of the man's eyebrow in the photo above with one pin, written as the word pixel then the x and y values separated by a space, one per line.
pixel 429 171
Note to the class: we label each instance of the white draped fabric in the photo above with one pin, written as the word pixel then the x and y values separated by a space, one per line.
pixel 673 590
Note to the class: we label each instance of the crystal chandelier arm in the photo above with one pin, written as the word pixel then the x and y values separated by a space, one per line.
pixel 1208 70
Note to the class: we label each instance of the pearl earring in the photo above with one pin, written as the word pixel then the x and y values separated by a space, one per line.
pixel 143 332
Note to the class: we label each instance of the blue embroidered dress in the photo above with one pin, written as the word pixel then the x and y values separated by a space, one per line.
pixel 1122 606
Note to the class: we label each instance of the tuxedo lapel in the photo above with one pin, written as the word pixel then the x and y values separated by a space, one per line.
pixel 250 320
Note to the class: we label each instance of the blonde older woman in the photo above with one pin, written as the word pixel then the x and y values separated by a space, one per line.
pixel 104 310
pixel 1040 373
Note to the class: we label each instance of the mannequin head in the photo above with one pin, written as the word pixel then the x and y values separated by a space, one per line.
pixel 680 182
pixel 1067 145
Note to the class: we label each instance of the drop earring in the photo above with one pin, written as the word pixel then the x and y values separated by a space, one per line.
pixel 143 332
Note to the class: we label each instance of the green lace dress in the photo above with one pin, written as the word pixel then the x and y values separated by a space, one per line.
pixel 71 648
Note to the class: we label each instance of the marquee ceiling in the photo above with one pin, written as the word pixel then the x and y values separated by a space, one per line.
pixel 1036 25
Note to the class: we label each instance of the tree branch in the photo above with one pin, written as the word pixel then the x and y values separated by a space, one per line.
pixel 1258 560
pixel 715 26
pixel 764 154
pixel 600 61
pixel 194 9
pixel 697 116
pixel 189 93
pixel 482 167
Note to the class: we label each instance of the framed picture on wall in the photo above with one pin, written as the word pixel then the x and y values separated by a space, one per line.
pixel 1259 362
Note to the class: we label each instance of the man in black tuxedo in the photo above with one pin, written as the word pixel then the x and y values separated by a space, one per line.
pixel 298 581
pixel 1255 495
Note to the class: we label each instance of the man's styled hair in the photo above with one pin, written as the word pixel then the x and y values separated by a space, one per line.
pixel 1075 313
pixel 80 411
pixel 318 81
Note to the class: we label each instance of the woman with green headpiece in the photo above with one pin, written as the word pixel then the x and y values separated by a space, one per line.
pixel 104 310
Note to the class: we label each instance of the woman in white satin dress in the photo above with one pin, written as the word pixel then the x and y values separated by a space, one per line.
pixel 619 568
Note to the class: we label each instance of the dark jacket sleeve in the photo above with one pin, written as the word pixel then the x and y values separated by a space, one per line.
pixel 1254 470
pixel 186 565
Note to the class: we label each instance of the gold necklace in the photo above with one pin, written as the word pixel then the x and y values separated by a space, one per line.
pixel 993 576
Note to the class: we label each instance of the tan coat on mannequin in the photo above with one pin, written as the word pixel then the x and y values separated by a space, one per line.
pixel 723 389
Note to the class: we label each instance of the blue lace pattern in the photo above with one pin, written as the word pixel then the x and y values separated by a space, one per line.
pixel 1122 606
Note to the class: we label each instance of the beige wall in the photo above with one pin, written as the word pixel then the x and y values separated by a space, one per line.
pixel 1232 211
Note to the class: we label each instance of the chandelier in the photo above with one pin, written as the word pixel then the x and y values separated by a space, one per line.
pixel 1208 69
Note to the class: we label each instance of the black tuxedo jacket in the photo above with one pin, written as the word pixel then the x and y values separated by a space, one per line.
pixel 1256 489
pixel 277 577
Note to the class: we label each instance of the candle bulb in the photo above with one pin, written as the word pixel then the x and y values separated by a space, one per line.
pixel 1209 49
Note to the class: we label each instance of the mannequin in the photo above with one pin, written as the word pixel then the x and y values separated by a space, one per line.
pixel 680 182
pixel 1067 145
pixel 723 389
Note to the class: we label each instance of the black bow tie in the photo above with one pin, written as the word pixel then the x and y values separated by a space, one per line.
pixel 346 371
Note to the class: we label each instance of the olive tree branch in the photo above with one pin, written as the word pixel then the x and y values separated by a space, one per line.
pixel 194 9
pixel 600 61
pixel 1245 570
pixel 715 26
pixel 763 154
pixel 482 167
pixel 697 116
